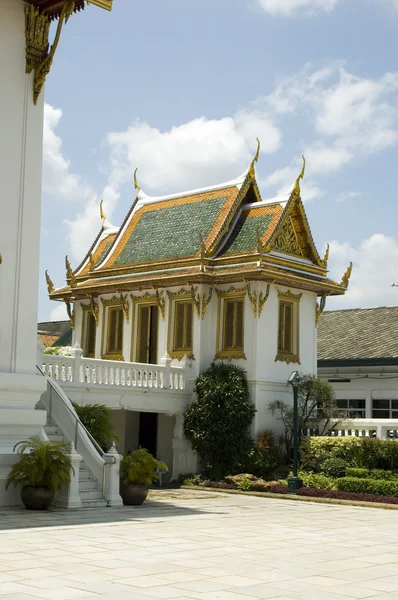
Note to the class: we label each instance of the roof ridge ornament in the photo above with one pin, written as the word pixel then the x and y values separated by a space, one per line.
pixel 345 280
pixel 296 188
pixel 69 273
pixel 50 284
pixel 255 159
pixel 136 185
pixel 326 257
pixel 102 214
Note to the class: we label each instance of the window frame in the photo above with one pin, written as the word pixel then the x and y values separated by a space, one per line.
pixel 390 408
pixel 175 298
pixel 136 338
pixel 109 307
pixel 222 350
pixel 86 313
pixel 348 411
pixel 282 355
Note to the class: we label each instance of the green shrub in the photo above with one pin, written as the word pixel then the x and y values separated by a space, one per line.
pixel 319 482
pixel 368 486
pixel 262 462
pixel 357 473
pixel 244 485
pixel 217 423
pixel 334 467
pixel 364 452
pixel 382 474
pixel 97 420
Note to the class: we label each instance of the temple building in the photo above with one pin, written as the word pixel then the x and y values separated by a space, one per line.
pixel 212 274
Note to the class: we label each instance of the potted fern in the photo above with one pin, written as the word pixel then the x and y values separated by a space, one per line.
pixel 138 471
pixel 41 469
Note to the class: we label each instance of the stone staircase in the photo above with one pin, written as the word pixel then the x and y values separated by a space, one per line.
pixel 90 489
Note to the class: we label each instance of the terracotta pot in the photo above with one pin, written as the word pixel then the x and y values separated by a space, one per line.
pixel 36 498
pixel 134 494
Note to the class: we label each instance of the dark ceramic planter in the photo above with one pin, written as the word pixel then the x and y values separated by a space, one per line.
pixel 36 498
pixel 134 494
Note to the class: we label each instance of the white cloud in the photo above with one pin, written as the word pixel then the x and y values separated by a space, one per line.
pixel 374 270
pixel 343 196
pixel 57 178
pixel 289 8
pixel 59 313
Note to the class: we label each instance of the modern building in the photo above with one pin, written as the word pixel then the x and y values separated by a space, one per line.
pixel 358 354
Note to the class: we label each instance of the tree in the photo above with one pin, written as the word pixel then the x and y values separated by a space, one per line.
pixel 217 422
pixel 317 409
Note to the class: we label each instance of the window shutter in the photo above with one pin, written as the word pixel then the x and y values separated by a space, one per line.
pixel 90 335
pixel 143 334
pixel 239 324
pixel 179 326
pixel 119 338
pixel 188 321
pixel 280 326
pixel 229 324
pixel 288 328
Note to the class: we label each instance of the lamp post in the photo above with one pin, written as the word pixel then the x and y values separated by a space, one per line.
pixel 294 483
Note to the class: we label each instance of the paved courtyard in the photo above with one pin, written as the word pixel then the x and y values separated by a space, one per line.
pixel 204 546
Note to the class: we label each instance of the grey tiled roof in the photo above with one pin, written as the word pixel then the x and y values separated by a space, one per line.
pixel 53 327
pixel 359 333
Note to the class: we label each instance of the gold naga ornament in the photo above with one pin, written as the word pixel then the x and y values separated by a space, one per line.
pixel 345 280
pixel 319 308
pixel 206 299
pixel 69 273
pixel 296 188
pixel 124 303
pixel 94 309
pixel 50 284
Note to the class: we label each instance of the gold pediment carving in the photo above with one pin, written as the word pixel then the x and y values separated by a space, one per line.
pixel 287 242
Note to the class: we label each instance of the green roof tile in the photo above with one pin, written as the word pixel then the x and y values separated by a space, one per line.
pixel 104 252
pixel 244 236
pixel 172 232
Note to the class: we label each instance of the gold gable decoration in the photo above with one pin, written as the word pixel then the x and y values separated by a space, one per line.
pixel 287 242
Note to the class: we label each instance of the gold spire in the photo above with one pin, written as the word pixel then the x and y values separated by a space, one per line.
pixel 346 277
pixel 102 216
pixel 69 273
pixel 296 188
pixel 50 285
pixel 255 159
pixel 137 187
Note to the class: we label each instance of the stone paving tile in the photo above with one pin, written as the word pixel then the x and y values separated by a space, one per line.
pixel 188 545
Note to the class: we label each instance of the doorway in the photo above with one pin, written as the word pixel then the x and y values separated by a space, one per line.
pixel 147 334
pixel 148 432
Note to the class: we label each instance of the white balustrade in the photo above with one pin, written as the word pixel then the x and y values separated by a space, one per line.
pixel 380 428
pixel 76 369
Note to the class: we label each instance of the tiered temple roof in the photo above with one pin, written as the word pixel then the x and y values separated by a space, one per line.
pixel 52 8
pixel 220 234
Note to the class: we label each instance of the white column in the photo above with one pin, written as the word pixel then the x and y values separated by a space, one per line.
pixel 21 147
pixel 184 461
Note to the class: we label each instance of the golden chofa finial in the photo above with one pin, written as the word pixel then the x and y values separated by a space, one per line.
pixel 50 285
pixel 255 159
pixel 296 188
pixel 102 215
pixel 137 187
pixel 346 277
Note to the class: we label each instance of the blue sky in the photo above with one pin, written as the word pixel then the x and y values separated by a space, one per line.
pixel 181 89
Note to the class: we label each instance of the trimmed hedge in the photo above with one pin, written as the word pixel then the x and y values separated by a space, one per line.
pixel 357 473
pixel 313 493
pixel 368 486
pixel 371 453
pixel 316 481
pixel 372 474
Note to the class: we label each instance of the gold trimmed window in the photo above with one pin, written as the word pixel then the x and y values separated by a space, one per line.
pixel 112 334
pixel 89 332
pixel 288 327
pixel 230 330
pixel 180 335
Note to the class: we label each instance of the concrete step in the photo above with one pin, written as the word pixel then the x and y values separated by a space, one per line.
pixel 85 475
pixel 50 430
pixel 94 503
pixel 87 484
pixel 90 494
pixel 55 437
